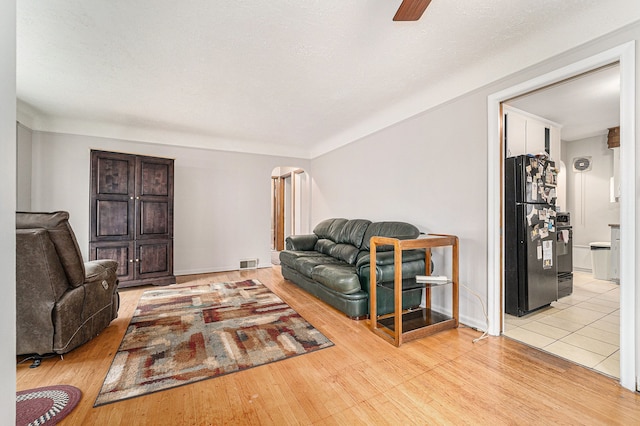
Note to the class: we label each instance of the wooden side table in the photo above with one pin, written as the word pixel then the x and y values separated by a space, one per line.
pixel 399 326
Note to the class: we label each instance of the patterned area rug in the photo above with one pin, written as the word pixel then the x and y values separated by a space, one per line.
pixel 47 405
pixel 188 333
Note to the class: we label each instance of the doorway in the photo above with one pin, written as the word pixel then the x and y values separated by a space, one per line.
pixel 571 122
pixel 625 55
pixel 288 189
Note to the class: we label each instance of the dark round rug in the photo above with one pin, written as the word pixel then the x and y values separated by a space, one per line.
pixel 47 405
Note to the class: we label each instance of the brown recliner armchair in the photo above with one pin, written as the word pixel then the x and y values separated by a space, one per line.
pixel 61 302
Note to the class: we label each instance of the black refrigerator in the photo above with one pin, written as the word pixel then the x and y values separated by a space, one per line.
pixel 531 274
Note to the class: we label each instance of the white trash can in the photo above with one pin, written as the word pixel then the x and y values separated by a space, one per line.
pixel 601 259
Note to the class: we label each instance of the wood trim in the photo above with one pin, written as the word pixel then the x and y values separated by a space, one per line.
pixel 274 203
pixel 278 206
pixel 613 137
pixel 279 211
pixel 503 147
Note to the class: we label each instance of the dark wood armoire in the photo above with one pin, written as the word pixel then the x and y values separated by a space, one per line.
pixel 132 216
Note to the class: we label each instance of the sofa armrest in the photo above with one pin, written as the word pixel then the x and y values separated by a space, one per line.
pixel 304 242
pixel 386 257
pixel 412 265
pixel 386 273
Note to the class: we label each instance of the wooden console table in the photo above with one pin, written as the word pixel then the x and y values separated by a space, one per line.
pixel 413 324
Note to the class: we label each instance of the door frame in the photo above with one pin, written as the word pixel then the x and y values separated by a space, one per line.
pixel 625 55
pixel 279 214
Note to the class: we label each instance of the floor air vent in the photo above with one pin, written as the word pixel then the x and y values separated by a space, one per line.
pixel 248 264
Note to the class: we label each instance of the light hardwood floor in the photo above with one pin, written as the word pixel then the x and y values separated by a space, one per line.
pixel 441 379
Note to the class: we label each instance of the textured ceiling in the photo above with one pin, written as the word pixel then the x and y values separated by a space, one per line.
pixel 282 77
pixel 584 106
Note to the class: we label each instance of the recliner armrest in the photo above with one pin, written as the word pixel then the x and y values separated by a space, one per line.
pixel 304 242
pixel 97 270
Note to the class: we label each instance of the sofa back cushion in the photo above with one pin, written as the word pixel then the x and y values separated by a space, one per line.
pixel 327 232
pixel 399 230
pixel 341 238
pixel 353 232
pixel 329 227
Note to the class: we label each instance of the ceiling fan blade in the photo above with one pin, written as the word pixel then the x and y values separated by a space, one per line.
pixel 411 10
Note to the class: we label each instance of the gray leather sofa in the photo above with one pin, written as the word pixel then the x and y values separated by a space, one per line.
pixel 61 302
pixel 333 264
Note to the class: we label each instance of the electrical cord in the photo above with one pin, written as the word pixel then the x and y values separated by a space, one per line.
pixel 37 359
pixel 485 334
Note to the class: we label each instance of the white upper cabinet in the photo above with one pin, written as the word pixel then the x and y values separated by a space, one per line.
pixel 516 134
pixel 535 137
pixel 528 134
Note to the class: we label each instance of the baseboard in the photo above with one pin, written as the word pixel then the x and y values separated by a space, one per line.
pixel 463 319
pixel 212 270
pixel 473 323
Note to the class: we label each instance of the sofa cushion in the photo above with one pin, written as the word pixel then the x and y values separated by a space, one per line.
pixel 327 232
pixel 289 257
pixel 305 264
pixel 353 232
pixel 341 238
pixel 400 230
pixel 345 252
pixel 336 229
pixel 323 229
pixel 324 246
pixel 341 278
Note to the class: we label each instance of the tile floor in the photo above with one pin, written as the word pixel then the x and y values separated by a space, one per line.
pixel 583 327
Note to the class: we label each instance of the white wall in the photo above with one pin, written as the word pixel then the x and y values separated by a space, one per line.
pixel 429 170
pixel 222 199
pixel 588 196
pixel 7 210
pixel 302 198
